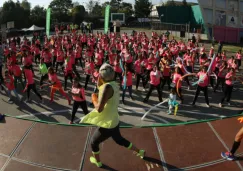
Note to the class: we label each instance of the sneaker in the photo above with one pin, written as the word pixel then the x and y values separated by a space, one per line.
pixel 94 161
pixel 169 112
pixel 141 154
pixel 10 100
pixel 229 104
pixel 132 98
pixel 207 105
pixel 144 90
pixel 188 88
pixel 70 122
pixel 228 156
pixel 220 104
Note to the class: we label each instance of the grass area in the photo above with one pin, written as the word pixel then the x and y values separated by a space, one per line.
pixel 230 48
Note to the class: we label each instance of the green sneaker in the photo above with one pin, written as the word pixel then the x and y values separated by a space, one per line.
pixel 94 161
pixel 141 154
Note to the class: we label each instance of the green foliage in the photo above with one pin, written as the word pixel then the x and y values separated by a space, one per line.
pixel 60 10
pixel 38 16
pixel 142 8
pixel 78 14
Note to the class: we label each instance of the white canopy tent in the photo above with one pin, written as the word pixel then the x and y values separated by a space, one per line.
pixel 35 28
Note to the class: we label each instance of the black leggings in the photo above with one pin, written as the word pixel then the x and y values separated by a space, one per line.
pixel 80 61
pixel 102 134
pixel 76 105
pixel 32 87
pixel 61 64
pixel 205 90
pixel 139 76
pixel 164 80
pixel 43 78
pixel 70 76
pixel 219 81
pixel 86 81
pixel 151 88
pixel 227 93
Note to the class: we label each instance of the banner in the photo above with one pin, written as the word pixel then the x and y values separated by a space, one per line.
pixel 48 21
pixel 107 17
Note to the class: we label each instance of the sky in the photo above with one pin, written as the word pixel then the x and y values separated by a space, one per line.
pixel 45 3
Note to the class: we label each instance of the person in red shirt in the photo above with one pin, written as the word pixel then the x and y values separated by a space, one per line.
pixel 56 85
pixel 68 72
pixel 15 70
pixel 128 83
pixel 79 99
pixel 9 83
pixel 30 83
pixel 175 78
pixel 221 75
pixel 229 78
pixel 155 76
pixel 202 85
pixel 139 70
pixel 166 75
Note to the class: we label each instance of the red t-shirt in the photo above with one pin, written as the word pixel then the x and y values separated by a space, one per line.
pixel 29 76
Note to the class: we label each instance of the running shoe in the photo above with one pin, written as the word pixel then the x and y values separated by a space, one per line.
pixel 141 154
pixel 207 105
pixel 220 104
pixel 94 161
pixel 228 156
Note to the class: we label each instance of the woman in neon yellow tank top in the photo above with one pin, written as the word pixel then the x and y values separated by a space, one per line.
pixel 105 115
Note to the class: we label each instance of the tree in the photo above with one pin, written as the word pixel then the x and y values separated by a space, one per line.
pixel 14 12
pixel 126 8
pixel 142 8
pixel 78 14
pixel 26 5
pixel 60 9
pixel 38 16
pixel 97 10
pixel 90 5
pixel 170 3
pixel 184 3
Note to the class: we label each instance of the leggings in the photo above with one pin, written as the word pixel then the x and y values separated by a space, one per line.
pixel 219 81
pixel 124 92
pixel 118 74
pixel 167 80
pixel 61 64
pixel 19 78
pixel 43 77
pixel 37 57
pixel 80 61
pixel 32 87
pixel 48 64
pixel 70 76
pixel 205 90
pixel 86 81
pixel 54 61
pixel 139 76
pixel 102 134
pixel 76 105
pixel 53 90
pixel 227 93
pixel 151 88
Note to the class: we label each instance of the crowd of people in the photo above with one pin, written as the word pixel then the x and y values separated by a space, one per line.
pixel 156 61
pixel 115 61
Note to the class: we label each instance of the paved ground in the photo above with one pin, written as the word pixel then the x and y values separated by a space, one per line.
pixel 31 146
pixel 132 112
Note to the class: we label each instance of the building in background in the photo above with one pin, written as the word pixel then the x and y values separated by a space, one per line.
pixel 223 19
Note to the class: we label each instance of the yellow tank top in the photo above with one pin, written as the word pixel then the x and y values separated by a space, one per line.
pixel 109 117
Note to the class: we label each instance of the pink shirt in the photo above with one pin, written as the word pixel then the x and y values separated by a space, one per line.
pixel 78 91
pixel 222 73
pixel 53 78
pixel 238 56
pixel 228 81
pixel 117 67
pixel 137 66
pixel 89 68
pixel 204 82
pixel 176 78
pixel 29 76
pixel 155 78
pixel 129 79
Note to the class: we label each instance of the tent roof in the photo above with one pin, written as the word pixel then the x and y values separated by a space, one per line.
pixel 35 28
